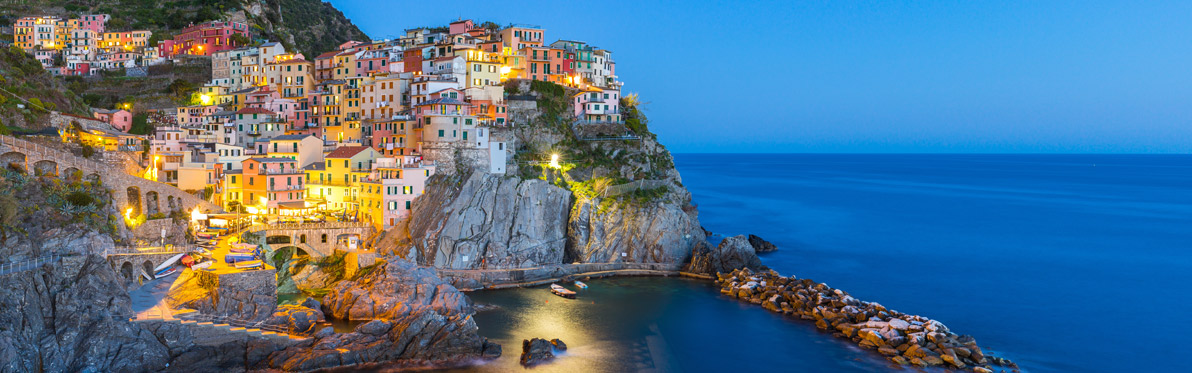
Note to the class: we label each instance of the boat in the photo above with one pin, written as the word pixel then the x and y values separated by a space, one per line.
pixel 236 257
pixel 242 248
pixel 581 285
pixel 201 265
pixel 562 291
pixel 205 236
pixel 250 264
pixel 168 263
pixel 165 272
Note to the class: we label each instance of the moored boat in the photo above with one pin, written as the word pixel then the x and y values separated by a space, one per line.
pixel 235 257
pixel 562 291
pixel 165 272
pixel 250 264
pixel 581 285
pixel 168 263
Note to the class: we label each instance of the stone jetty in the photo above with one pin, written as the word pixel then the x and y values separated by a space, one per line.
pixel 902 338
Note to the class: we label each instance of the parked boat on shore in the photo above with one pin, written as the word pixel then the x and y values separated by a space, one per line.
pixel 251 264
pixel 238 257
pixel 165 272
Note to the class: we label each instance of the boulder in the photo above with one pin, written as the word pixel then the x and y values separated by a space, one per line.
pixel 298 319
pixel 558 344
pixel 732 253
pixel 760 245
pixel 536 351
pixel 899 324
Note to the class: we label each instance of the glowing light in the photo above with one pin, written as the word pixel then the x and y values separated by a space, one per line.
pixel 205 99
pixel 554 161
pixel 505 70
pixel 252 209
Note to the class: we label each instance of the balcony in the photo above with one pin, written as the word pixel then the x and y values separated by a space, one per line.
pixel 285 188
pixel 280 171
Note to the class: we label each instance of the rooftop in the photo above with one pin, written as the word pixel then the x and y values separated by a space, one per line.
pixel 346 151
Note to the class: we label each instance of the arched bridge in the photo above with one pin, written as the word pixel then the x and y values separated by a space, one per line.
pixel 143 196
pixel 316 239
pixel 131 267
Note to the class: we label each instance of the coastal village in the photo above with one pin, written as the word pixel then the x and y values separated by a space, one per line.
pixel 253 214
pixel 352 133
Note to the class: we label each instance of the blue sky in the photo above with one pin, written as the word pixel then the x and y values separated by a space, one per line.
pixel 860 77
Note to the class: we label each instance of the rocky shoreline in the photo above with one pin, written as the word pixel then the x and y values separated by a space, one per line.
pixel 904 339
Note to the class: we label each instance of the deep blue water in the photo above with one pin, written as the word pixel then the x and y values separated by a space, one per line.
pixel 1059 262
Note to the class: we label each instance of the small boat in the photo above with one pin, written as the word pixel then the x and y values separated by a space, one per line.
pixel 251 264
pixel 233 258
pixel 242 248
pixel 581 285
pixel 562 291
pixel 201 265
pixel 205 236
pixel 165 272
pixel 168 263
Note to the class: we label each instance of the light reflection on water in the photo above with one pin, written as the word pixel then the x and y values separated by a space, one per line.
pixel 651 324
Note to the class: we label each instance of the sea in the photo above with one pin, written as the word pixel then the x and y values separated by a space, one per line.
pixel 1061 263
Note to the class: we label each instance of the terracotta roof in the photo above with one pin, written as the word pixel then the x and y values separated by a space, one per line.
pixel 270 159
pixel 346 151
pixel 327 55
pixel 254 110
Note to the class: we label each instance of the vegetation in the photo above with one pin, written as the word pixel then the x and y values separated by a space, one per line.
pixel 31 203
pixel 23 78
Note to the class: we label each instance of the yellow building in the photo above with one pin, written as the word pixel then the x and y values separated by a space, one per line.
pixel 335 179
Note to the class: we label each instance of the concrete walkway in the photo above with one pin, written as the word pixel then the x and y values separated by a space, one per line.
pixel 148 301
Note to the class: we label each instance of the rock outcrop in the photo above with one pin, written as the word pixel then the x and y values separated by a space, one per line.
pixel 760 245
pixel 650 233
pixel 71 315
pixel 246 295
pixel 904 339
pixel 537 351
pixel 417 318
pixel 296 319
pixel 490 221
pixel 732 253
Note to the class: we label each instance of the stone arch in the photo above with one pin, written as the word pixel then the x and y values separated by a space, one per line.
pixel 277 239
pixel 14 161
pixel 300 252
pixel 45 167
pixel 173 203
pixel 151 206
pixel 72 174
pixel 92 177
pixel 134 201
pixel 126 271
pixel 148 267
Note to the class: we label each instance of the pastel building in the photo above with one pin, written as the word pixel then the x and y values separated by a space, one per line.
pixel 204 39
pixel 271 184
pixel 119 119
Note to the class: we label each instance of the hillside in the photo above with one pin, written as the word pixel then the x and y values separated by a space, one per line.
pixel 21 75
pixel 309 26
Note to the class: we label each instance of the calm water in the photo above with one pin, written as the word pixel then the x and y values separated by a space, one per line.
pixel 1059 262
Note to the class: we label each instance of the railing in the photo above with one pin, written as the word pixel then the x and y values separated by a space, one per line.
pixel 280 171
pixel 26 265
pixel 581 122
pixel 324 225
pixel 285 188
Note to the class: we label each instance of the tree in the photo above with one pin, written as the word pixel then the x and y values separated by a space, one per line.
pixel 180 87
pixel 239 40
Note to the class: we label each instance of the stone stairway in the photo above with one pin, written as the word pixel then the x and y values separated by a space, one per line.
pixel 209 333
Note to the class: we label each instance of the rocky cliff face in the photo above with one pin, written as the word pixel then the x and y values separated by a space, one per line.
pixel 490 221
pixel 71 316
pixel 608 201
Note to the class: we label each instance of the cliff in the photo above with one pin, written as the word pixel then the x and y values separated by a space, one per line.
pixel 619 201
pixel 23 82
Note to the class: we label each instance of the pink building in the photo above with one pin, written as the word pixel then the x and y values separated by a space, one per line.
pixel 94 22
pixel 203 39
pixel 278 180
pixel 597 105
pixel 119 119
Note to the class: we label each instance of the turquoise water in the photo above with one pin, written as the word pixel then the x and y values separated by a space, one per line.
pixel 1059 262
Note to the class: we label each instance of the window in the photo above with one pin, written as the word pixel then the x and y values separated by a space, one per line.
pixel 323 238
pixel 440 133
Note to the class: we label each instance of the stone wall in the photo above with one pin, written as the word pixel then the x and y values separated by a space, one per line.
pixel 150 231
pixel 246 295
pixel 498 278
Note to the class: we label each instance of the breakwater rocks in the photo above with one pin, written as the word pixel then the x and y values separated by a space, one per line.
pixel 902 338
